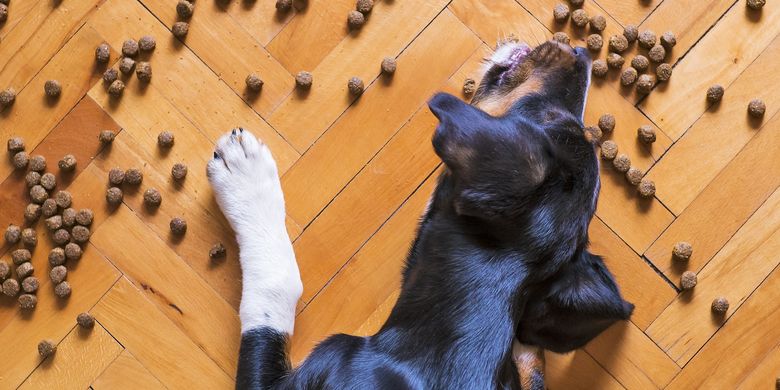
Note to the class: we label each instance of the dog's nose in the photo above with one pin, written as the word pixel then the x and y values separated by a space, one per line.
pixel 582 53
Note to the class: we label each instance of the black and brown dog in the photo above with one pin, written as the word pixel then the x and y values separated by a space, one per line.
pixel 500 259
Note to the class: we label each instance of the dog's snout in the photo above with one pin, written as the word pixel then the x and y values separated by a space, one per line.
pixel 581 53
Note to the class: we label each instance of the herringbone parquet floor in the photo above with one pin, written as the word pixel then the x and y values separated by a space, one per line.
pixel 358 172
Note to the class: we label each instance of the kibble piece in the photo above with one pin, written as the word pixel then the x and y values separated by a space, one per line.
pixel 68 163
pixel 106 136
pixel 178 226
pixel 184 8
pixel 38 163
pixel 80 234
pixel 7 97
pixel 645 84
pixel 20 160
pixel 283 5
pixel 152 198
pixel 305 79
pixel 618 43
pixel 3 12
pixel 715 93
pixel 102 53
pixel 561 13
pixel 110 75
pixel 631 32
pixel 24 270
pixel 646 134
pixel 57 256
pixel 68 217
pixel 609 150
pixel 126 65
pixel 640 63
pixel 593 133
pixel 595 42
pixel 29 238
pixel 38 194
pixel 646 188
pixel 32 178
pixel 32 212
pixel 143 70
pixel 85 320
pixel 20 256
pixel 598 23
pixel 577 3
pixel 180 29
pixel 15 144
pixel 116 176
pixel 48 181
pixel 657 54
pixel 355 86
pixel 663 72
pixel 355 19
pixel 647 39
pixel 634 176
pixel 756 4
pixel 10 287
pixel 668 40
pixel 30 284
pixel 580 18
pixel 84 217
pixel 364 6
pixel 600 68
pixel 54 223
pixel 13 234
pixel 179 171
pixel 756 108
pixel 117 88
pixel 73 251
pixel 63 199
pixel 46 348
pixel 682 251
pixel 561 37
pixel 688 280
pixel 52 88
pixel 147 43
pixel 165 139
pixel 58 274
pixel 62 290
pixel 607 123
pixel 5 270
pixel 389 65
pixel 720 305
pixel 28 301
pixel 134 176
pixel 622 163
pixel 254 83
pixel 217 251
pixel 628 76
pixel 61 237
pixel 49 208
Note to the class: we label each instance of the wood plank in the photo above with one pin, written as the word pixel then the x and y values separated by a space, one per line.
pixel 126 373
pixel 304 116
pixel 168 353
pixel 718 135
pixel 630 12
pixel 260 19
pixel 347 146
pixel 185 81
pixel 764 374
pixel 497 19
pixel 687 324
pixel 81 356
pixel 17 14
pixel 576 371
pixel 723 206
pixel 718 58
pixel 177 290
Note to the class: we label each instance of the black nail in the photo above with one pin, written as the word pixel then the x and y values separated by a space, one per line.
pixel 216 155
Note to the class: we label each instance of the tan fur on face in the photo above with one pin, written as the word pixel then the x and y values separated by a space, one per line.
pixel 529 361
pixel 498 105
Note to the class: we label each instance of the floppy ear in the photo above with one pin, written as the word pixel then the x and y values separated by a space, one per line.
pixel 458 123
pixel 571 309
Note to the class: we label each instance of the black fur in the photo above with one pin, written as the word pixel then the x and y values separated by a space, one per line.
pixel 501 254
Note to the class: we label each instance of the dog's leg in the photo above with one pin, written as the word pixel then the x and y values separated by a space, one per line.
pixel 245 182
pixel 530 365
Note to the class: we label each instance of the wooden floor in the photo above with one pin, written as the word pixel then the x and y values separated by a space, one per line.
pixel 357 175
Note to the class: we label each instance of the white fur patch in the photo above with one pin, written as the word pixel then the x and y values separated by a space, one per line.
pixel 245 182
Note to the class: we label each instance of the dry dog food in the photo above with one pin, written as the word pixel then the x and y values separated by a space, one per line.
pixel 52 88
pixel 647 39
pixel 24 270
pixel 48 181
pixel 469 86
pixel 600 68
pixel 355 19
pixel 20 160
pixel 756 108
pixel 147 43
pixel 63 199
pixel 117 88
pixel 73 251
pixel 657 54
pixel 305 79
pixel 20 256
pixel 577 3
pixel 5 270
pixel 634 176
pixel 355 86
pixel 28 301
pixel 622 163
pixel 561 37
pixel 80 234
pixel 7 97
pixel 152 198
pixel 618 43
pixel 68 217
pixel 609 150
pixel 54 223
pixel 645 84
pixel 38 163
pixel 62 290
pixel 254 83
pixel 116 177
pixel 364 6
pixel 32 212
pixel 720 305
pixel 3 13
pixel 10 287
pixel 180 29
pixel 106 136
pixel 46 348
pixel 715 93
pixel 49 208
pixel 179 171
pixel 688 280
pixel 640 63
pixel 663 72
pixel 668 40
pixel 126 65
pixel 184 8
pixel 607 123
pixel 68 163
pixel 580 18
pixel 29 238
pixel 85 320
pixel 143 70
pixel 61 237
pixel 38 194
pixel 598 23
pixel 165 139
pixel 594 42
pixel 628 76
pixel 57 256
pixel 102 53
pixel 15 144
pixel 593 133
pixel 110 75
pixel 58 274
pixel 631 32
pixel 84 217
pixel 30 284
pixel 130 48
pixel 756 4
pixel 389 65
pixel 134 176
pixel 646 188
pixel 682 251
pixel 32 178
pixel 646 134
pixel 178 226
pixel 561 13
pixel 283 5
pixel 13 234
pixel 217 251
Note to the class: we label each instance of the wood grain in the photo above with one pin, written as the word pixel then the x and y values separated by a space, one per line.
pixel 126 372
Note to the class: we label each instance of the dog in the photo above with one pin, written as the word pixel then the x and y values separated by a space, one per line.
pixel 499 270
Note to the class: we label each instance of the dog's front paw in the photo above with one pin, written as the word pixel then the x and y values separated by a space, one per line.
pixel 245 182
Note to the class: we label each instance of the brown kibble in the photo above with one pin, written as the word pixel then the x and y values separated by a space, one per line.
pixel 68 217
pixel 178 226
pixel 355 19
pixel 631 32
pixel 106 136
pixel 179 171
pixel 7 97
pixel 364 6
pixel 32 178
pixel 32 212
pixel 715 93
pixel 116 177
pixel 102 53
pixel 217 251
pixel 688 280
pixel 49 208
pixel 13 234
pixel 580 18
pixel 130 48
pixel 598 23
pixel 5 270
pixel 561 37
pixel 283 5
pixel 593 133
pixel 640 63
pixel 254 83
pixel 19 256
pixel 54 223
pixel 126 65
pixel 355 86
pixel 84 217
pixel 117 88
pixel 143 71
pixel 646 134
pixel 62 290
pixel 73 251
pixel 110 75
pixel 80 234
pixel 63 199
pixel 646 188
pixel 628 76
pixel 607 123
pixel 29 238
pixel 668 40
pixel 38 194
pixel 30 284
pixel 52 88
pixel 165 139
pixel 720 305
pixel 663 72
pixel 756 4
pixel 180 29
pixel 682 251
pixel 594 42
pixel 305 79
pixel 68 163
pixel 600 68
pixel 134 176
pixel 577 3
pixel 48 181
pixel 3 12
pixel 46 348
pixel 61 237
pixel 58 274
pixel 561 13
pixel 152 198
pixel 24 270
pixel 15 145
pixel 10 287
pixel 147 43
pixel 85 320
pixel 618 43
pixel 20 160
pixel 657 54
pixel 28 301
pixel 645 84
pixel 469 86
pixel 621 163
pixel 647 39
pixel 38 163
pixel 634 176
pixel 57 256
pixel 609 150
pixel 389 65
pixel 756 108
pixel 184 8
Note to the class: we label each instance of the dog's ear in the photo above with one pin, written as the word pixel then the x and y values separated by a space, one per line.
pixel 571 309
pixel 458 123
